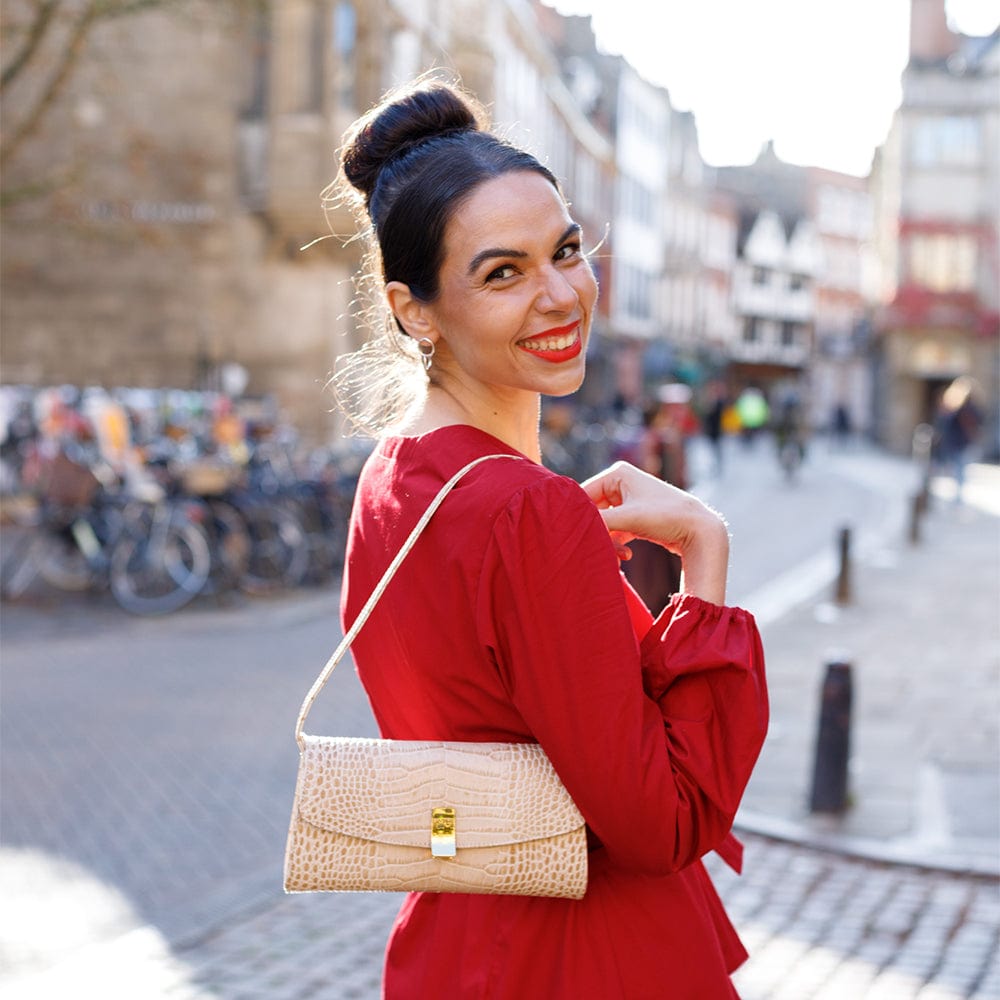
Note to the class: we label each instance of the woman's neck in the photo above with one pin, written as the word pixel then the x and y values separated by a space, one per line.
pixel 515 425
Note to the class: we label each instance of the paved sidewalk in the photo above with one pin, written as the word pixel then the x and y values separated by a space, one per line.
pixel 895 900
pixel 922 635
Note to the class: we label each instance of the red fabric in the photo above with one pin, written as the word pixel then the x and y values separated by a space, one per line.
pixel 510 621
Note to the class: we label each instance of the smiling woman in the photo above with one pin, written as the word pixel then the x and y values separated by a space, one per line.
pixel 512 315
pixel 509 621
pixel 469 233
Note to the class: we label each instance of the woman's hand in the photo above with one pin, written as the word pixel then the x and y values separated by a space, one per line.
pixel 635 504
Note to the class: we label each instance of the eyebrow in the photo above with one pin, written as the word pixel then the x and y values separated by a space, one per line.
pixel 574 229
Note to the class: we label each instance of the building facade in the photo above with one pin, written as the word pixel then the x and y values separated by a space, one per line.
pixel 840 207
pixel 154 220
pixel 936 183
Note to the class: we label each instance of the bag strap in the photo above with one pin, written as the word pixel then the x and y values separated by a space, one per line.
pixel 345 643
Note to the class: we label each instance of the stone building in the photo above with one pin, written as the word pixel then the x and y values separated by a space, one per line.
pixel 155 215
pixel 181 165
pixel 936 182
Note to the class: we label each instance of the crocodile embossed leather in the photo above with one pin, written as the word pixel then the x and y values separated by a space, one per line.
pixel 375 815
pixel 367 814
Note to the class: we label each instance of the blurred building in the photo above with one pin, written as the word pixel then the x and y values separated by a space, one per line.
pixel 154 211
pixel 840 206
pixel 642 144
pixel 163 170
pixel 936 182
pixel 171 171
pixel 687 279
pixel 798 296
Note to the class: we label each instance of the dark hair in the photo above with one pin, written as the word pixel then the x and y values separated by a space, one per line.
pixel 415 158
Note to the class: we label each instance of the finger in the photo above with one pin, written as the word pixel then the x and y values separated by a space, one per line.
pixel 605 489
pixel 595 488
pixel 618 524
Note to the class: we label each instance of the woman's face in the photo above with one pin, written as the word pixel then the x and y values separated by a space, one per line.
pixel 516 293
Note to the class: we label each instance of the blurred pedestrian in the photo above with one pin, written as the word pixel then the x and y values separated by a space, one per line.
pixel 559 451
pixel 712 421
pixel 753 411
pixel 509 621
pixel 654 571
pixel 958 427
pixel 841 424
pixel 677 425
pixel 790 435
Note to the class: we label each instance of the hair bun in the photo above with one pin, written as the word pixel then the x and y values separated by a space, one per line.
pixel 402 122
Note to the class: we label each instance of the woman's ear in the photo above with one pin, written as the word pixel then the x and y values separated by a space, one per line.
pixel 412 314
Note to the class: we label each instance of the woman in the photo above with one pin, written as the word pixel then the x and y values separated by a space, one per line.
pixel 510 620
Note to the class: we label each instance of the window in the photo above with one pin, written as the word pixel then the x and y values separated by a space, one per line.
pixel 946 141
pixel 302 84
pixel 760 275
pixel 943 262
pixel 315 82
pixel 260 70
pixel 638 289
pixel 787 334
pixel 636 200
pixel 344 35
pixel 751 330
pixel 797 282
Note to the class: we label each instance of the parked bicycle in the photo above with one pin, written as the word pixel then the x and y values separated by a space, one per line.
pixel 143 547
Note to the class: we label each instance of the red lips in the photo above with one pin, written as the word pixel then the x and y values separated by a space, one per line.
pixel 559 354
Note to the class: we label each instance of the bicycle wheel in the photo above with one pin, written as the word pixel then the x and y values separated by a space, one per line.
pixel 160 571
pixel 230 545
pixel 324 552
pixel 279 555
pixel 24 564
pixel 65 566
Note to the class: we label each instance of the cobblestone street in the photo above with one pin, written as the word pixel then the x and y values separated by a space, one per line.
pixel 818 926
pixel 148 766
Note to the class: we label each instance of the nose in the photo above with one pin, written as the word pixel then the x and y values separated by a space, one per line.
pixel 557 292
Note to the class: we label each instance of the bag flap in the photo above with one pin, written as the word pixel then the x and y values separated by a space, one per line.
pixel 385 790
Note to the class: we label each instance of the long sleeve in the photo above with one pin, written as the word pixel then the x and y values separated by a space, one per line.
pixel 653 741
pixel 704 666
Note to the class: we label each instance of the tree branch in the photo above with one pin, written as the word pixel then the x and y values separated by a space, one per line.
pixel 106 9
pixel 43 15
pixel 71 54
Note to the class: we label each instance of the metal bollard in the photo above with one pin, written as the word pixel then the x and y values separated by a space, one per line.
pixel 843 589
pixel 833 741
pixel 923 456
pixel 918 506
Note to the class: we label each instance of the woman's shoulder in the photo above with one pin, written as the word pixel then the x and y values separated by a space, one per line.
pixel 497 474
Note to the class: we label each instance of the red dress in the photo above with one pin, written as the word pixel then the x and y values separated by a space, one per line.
pixel 510 621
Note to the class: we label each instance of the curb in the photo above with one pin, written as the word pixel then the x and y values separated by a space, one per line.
pixel 905 851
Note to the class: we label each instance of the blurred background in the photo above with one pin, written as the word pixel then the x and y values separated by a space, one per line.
pixel 163 161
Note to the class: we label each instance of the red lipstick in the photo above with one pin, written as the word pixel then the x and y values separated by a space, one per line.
pixel 555 355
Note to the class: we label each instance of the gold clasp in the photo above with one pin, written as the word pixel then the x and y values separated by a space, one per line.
pixel 443 832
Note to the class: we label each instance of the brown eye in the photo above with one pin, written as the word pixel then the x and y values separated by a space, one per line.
pixel 568 251
pixel 506 271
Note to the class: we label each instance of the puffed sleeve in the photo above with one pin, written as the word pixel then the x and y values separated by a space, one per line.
pixel 634 731
pixel 703 664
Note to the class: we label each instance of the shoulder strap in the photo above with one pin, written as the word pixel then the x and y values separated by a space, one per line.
pixel 339 652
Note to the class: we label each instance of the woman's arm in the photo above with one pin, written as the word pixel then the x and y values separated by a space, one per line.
pixel 657 773
pixel 635 504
